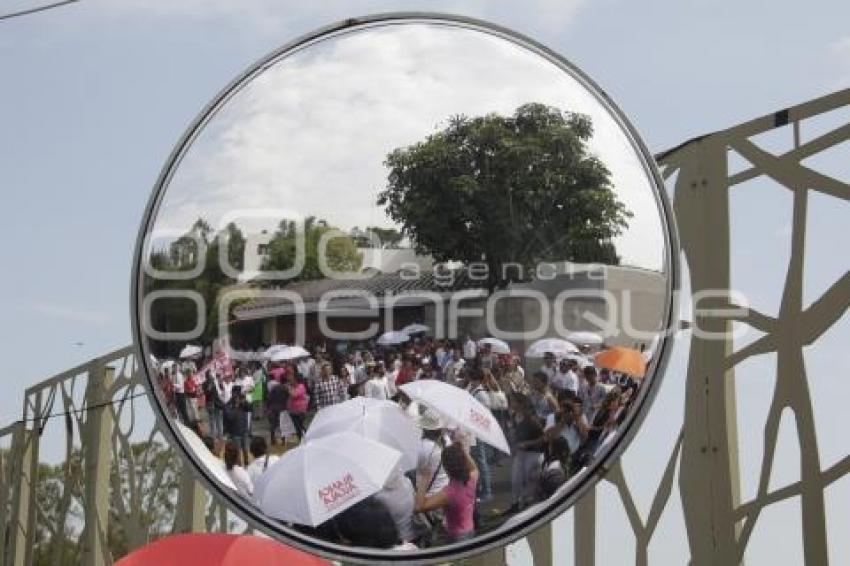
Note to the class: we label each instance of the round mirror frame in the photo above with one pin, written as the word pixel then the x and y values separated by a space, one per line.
pixel 585 479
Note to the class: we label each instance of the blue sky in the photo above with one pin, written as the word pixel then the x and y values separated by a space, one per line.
pixel 94 96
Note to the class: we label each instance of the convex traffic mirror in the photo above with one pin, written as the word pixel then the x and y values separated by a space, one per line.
pixel 402 289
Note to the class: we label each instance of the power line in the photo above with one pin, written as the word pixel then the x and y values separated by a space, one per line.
pixel 77 411
pixel 37 9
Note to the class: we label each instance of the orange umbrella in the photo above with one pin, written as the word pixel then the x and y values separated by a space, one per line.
pixel 218 550
pixel 624 360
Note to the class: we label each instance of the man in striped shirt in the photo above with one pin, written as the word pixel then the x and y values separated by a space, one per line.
pixel 329 389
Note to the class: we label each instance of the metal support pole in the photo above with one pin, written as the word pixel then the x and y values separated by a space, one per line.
pixel 494 557
pixel 584 527
pixel 709 477
pixel 5 486
pixel 97 450
pixel 193 504
pixel 25 448
pixel 540 542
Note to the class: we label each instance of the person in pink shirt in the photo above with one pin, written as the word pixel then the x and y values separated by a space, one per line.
pixel 297 401
pixel 457 499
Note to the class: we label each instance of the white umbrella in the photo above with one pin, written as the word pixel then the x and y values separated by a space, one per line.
pixel 190 351
pixel 272 350
pixel 289 353
pixel 557 346
pixel 207 458
pixel 379 420
pixel 585 338
pixel 415 328
pixel 457 406
pixel 496 345
pixel 322 478
pixel 393 337
pixel 295 352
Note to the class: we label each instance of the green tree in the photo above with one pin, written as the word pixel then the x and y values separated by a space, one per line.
pixel 340 252
pixel 174 315
pixel 235 246
pixel 144 485
pixel 519 189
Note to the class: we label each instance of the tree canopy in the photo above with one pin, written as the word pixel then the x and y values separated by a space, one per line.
pixel 506 189
pixel 179 315
pixel 340 252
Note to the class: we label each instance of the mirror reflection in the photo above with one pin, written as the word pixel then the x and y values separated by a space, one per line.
pixel 404 286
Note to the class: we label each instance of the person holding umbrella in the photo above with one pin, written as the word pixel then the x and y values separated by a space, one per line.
pixel 487 359
pixel 528 456
pixel 261 458
pixel 541 397
pixel 457 499
pixel 276 401
pixel 478 451
pixel 549 365
pixel 398 496
pixel 296 401
pixel 233 465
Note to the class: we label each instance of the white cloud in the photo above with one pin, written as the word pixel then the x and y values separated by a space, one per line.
pixel 73 314
pixel 310 133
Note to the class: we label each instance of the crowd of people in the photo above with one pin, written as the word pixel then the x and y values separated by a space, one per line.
pixel 556 418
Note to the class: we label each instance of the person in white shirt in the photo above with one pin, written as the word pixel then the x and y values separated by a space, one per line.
pixel 232 465
pixel 351 373
pixel 591 393
pixel 378 385
pixel 569 422
pixel 262 459
pixel 360 373
pixel 430 474
pixel 453 367
pixel 180 401
pixel 549 365
pixel 470 349
pixel 564 379
pixel 399 497
pixel 442 355
pixel 307 369
pixel 225 389
pixel 177 379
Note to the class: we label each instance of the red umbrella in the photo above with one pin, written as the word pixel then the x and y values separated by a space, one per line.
pixel 218 550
